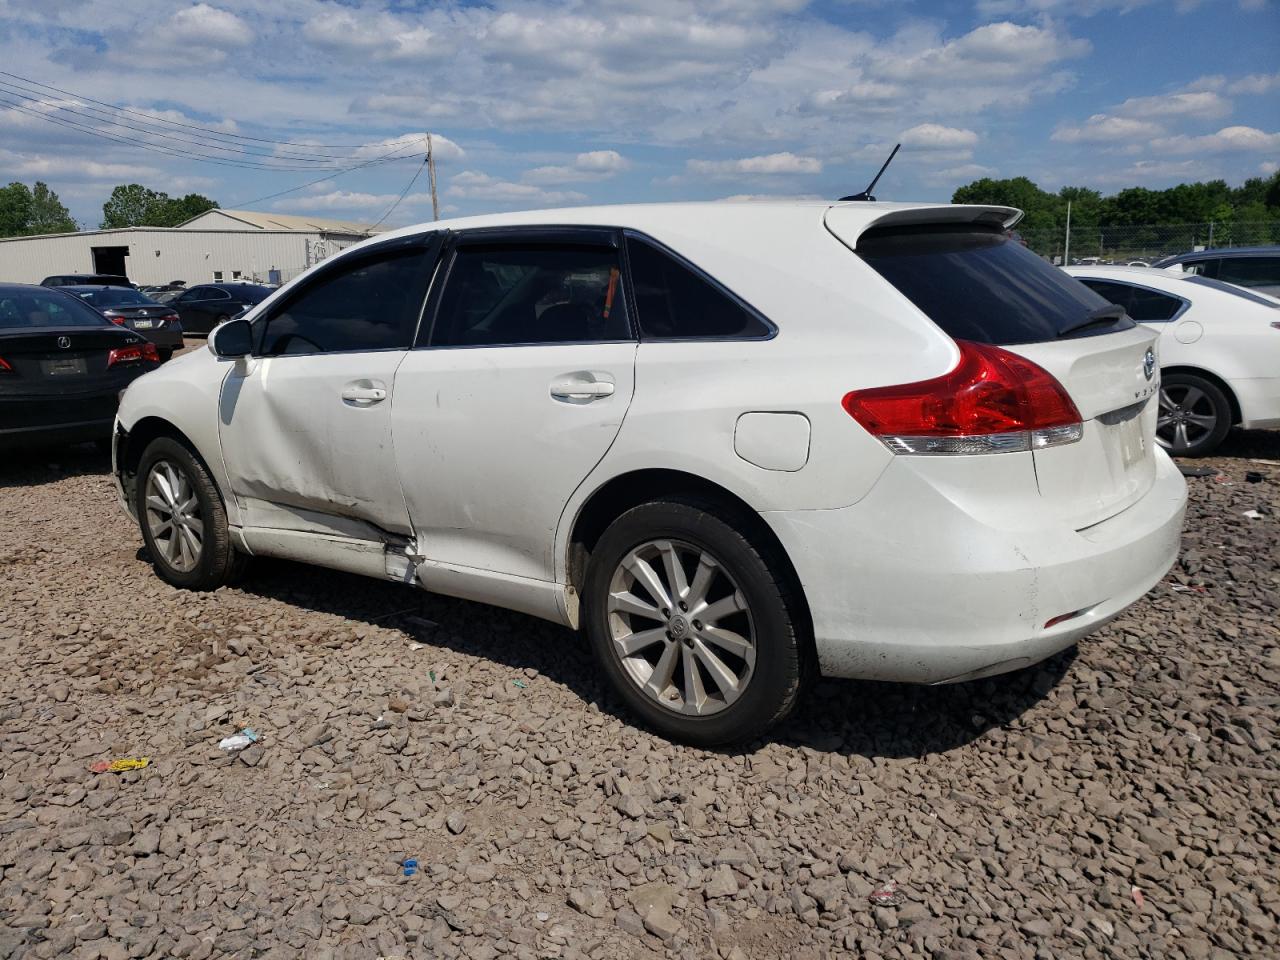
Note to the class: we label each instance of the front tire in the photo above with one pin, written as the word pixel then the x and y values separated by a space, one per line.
pixel 1195 415
pixel 695 623
pixel 183 520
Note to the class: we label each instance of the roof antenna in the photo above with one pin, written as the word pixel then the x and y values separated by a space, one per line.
pixel 866 194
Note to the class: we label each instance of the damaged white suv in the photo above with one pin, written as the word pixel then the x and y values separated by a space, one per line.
pixel 737 444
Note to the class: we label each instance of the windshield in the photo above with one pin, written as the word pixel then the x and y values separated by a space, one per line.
pixel 115 298
pixel 40 309
pixel 977 284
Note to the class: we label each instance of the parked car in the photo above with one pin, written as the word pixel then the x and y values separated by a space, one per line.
pixel 62 367
pixel 133 309
pixel 1257 268
pixel 80 279
pixel 1219 351
pixel 204 307
pixel 736 444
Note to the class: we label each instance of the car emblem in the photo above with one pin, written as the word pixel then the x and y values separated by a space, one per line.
pixel 1149 364
pixel 143 313
pixel 64 342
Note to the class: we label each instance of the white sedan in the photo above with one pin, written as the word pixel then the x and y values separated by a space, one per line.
pixel 736 444
pixel 1219 351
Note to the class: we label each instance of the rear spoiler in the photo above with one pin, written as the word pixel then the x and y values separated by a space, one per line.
pixel 848 222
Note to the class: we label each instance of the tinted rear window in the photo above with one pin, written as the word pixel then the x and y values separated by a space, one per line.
pixel 37 309
pixel 115 298
pixel 977 284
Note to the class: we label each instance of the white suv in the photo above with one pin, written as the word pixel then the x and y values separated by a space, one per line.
pixel 737 444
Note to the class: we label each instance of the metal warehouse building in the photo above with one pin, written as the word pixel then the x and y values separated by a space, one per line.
pixel 217 245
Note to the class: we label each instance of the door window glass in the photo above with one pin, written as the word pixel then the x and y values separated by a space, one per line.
pixel 371 303
pixel 1250 271
pixel 531 294
pixel 1142 304
pixel 675 302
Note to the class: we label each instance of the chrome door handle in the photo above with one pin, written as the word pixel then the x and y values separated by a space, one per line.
pixel 365 396
pixel 581 388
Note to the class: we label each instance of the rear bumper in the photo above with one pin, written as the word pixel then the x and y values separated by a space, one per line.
pixel 907 585
pixel 57 419
pixel 166 339
pixel 1259 400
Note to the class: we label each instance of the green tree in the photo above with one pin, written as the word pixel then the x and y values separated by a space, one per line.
pixel 133 205
pixel 48 214
pixel 1040 207
pixel 15 209
pixel 25 211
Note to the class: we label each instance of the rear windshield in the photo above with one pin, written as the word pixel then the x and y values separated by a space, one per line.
pixel 32 309
pixel 977 284
pixel 115 298
pixel 253 294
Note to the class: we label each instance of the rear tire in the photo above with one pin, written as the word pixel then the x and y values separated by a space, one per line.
pixel 1195 415
pixel 183 520
pixel 723 665
pixel 166 354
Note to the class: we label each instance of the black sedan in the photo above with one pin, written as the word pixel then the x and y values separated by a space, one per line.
pixel 62 367
pixel 126 307
pixel 204 307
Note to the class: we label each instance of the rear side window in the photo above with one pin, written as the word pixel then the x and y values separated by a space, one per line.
pixel 365 303
pixel 1250 271
pixel 676 302
pixel 977 284
pixel 514 294
pixel 1142 304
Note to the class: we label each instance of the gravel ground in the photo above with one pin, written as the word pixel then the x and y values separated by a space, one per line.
pixel 1116 802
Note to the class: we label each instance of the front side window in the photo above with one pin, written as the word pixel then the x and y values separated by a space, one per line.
pixel 370 303
pixel 511 294
pixel 675 302
pixel 1250 271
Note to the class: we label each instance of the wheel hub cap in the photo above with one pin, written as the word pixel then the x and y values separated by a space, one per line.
pixel 173 516
pixel 681 628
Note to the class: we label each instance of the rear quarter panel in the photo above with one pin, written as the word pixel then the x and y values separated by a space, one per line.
pixel 839 327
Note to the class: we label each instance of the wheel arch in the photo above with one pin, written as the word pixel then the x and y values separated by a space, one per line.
pixel 619 494
pixel 131 444
pixel 1188 369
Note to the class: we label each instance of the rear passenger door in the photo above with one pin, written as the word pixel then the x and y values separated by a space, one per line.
pixel 510 399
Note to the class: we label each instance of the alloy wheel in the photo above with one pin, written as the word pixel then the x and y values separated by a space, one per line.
pixel 681 627
pixel 1187 416
pixel 173 516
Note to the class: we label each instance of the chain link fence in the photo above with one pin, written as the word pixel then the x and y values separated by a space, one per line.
pixel 1146 242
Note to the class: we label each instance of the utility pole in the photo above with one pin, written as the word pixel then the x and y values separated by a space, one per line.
pixel 431 175
pixel 1066 243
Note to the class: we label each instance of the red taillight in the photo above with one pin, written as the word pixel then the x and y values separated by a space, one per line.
pixel 144 351
pixel 117 320
pixel 993 401
pixel 4 366
pixel 169 318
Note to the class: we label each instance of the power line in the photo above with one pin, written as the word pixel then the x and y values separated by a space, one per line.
pixel 244 164
pixel 15 91
pixel 405 192
pixel 208 130
pixel 310 183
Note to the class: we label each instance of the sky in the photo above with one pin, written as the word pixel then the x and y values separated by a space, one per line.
pixel 532 103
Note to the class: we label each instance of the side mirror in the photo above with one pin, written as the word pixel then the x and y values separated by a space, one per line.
pixel 232 339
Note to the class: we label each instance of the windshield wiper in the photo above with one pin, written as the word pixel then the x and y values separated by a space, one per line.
pixel 1108 314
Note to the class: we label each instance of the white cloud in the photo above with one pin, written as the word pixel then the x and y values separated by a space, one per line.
pixel 1256 83
pixel 1226 140
pixel 1268 167
pixel 380 36
pixel 206 25
pixel 1101 128
pixel 594 165
pixel 955 176
pixel 773 163
pixel 44 167
pixel 933 136
pixel 337 200
pixel 1203 103
pixel 473 185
